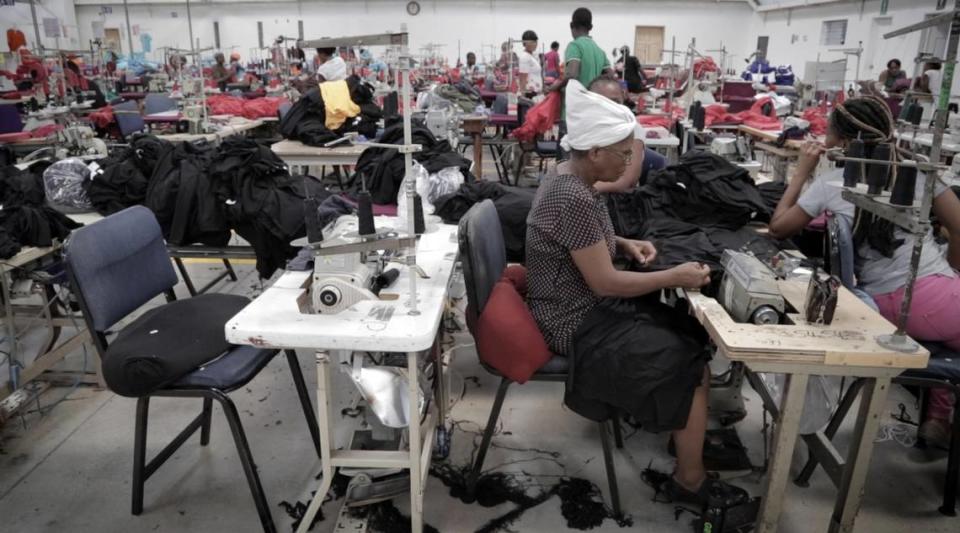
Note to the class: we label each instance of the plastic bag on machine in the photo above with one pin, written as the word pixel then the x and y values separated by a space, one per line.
pixel 420 174
pixel 438 184
pixel 823 393
pixel 63 184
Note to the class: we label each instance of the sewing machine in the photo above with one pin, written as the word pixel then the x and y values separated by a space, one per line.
pixel 158 82
pixel 444 123
pixel 749 290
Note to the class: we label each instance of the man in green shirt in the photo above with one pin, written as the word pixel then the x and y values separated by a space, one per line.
pixel 584 61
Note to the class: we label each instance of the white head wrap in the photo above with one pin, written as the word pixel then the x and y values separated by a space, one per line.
pixel 593 120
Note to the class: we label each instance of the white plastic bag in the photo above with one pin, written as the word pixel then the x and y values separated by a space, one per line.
pixel 821 399
pixel 420 175
pixel 438 184
pixel 63 184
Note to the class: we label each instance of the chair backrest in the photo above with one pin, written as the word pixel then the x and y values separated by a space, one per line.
pixel 118 264
pixel 482 253
pixel 283 109
pixel 10 119
pixel 158 103
pixel 500 104
pixel 840 247
pixel 128 118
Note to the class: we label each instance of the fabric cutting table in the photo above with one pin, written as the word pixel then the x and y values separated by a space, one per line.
pixel 847 347
pixel 274 320
pixel 295 153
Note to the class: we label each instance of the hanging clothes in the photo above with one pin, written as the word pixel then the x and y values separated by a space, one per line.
pixel 337 103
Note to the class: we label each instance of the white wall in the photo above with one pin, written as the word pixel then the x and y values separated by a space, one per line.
pixel 795 35
pixel 18 16
pixel 473 23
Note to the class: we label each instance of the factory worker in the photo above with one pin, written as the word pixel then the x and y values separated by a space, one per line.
pixel 629 353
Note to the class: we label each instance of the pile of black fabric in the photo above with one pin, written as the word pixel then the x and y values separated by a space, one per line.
pixel 261 200
pixel 25 217
pixel 694 210
pixel 513 205
pixel 125 176
pixel 306 121
pixel 382 169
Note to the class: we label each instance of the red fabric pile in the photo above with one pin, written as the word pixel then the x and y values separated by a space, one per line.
pixel 102 118
pixel 45 131
pixel 704 65
pixel 655 120
pixel 817 120
pixel 539 119
pixel 753 117
pixel 221 104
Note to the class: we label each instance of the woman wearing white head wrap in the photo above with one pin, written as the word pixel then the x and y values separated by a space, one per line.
pixel 629 352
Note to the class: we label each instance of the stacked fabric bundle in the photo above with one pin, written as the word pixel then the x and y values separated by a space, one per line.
pixel 330 111
pixel 382 169
pixel 265 107
pixel 26 219
pixel 512 203
pixel 694 210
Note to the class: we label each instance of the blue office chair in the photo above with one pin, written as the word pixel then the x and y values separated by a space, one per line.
pixel 10 121
pixel 116 266
pixel 129 120
pixel 158 103
pixel 943 369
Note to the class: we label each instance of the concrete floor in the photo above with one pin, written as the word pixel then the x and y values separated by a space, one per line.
pixel 71 468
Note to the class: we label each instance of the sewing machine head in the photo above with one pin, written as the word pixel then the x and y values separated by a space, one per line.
pixel 749 290
pixel 341 280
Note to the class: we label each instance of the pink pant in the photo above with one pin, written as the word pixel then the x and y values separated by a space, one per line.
pixel 934 316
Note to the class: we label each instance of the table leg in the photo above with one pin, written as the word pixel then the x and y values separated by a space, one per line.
pixel 780 166
pixel 478 154
pixel 11 328
pixel 782 456
pixel 416 489
pixel 326 439
pixel 850 493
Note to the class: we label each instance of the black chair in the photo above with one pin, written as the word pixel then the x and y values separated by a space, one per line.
pixel 483 256
pixel 116 266
pixel 943 371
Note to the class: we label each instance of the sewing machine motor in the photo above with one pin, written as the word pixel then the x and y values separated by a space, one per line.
pixel 749 290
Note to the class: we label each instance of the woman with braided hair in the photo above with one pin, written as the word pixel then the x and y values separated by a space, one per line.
pixel 883 251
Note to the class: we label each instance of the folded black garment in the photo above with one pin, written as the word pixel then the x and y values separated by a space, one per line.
pixel 513 205
pixel 168 342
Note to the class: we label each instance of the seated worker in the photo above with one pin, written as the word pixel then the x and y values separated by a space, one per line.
pixel 892 75
pixel 471 70
pixel 883 251
pixel 221 74
pixel 629 352
pixel 331 67
pixel 644 159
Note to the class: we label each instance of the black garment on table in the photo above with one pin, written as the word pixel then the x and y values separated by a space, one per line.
pixel 513 205
pixel 382 169
pixel 704 189
pixel 180 194
pixel 261 200
pixel 306 119
pixel 125 176
pixel 25 217
pixel 772 192
pixel 640 357
pixel 633 75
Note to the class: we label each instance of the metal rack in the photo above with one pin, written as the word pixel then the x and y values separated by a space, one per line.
pixel 914 219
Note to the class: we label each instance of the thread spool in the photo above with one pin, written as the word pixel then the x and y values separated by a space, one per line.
pixel 876 173
pixel 853 170
pixel 905 188
pixel 314 231
pixel 366 224
pixel 699 118
pixel 419 225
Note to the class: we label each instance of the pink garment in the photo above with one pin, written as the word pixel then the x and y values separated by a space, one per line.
pixel 934 316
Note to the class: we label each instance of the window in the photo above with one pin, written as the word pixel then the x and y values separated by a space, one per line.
pixel 833 32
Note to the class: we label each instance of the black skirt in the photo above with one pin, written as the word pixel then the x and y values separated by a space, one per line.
pixel 637 356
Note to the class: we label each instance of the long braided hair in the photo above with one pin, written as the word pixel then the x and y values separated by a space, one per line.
pixel 869 119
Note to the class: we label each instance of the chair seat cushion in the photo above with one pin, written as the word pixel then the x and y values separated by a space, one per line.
pixel 548 148
pixel 508 338
pixel 944 364
pixel 168 342
pixel 233 369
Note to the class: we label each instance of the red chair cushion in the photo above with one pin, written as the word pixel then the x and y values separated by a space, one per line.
pixel 507 336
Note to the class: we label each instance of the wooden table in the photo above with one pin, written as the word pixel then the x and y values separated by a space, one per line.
pixel 474 126
pixel 847 347
pixel 233 128
pixel 783 155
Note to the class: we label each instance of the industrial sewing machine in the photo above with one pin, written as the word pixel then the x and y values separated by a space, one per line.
pixel 749 290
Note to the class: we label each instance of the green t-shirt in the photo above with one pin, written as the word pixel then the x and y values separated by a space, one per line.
pixel 592 59
pixel 592 62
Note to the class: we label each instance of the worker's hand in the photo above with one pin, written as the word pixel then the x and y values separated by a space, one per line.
pixel 809 158
pixel 690 275
pixel 642 252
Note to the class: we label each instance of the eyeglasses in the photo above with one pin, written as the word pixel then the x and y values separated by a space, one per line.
pixel 626 156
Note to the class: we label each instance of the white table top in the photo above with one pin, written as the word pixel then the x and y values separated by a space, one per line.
pixel 274 319
pixel 672 140
pixel 950 143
